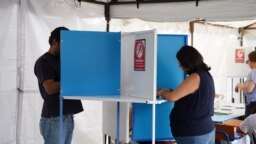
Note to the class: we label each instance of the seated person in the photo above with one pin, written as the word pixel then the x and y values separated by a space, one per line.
pixel 248 126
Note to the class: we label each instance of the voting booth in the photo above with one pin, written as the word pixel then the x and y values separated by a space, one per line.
pixel 124 71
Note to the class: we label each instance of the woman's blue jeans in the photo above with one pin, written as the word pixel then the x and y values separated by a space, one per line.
pixel 208 138
pixel 49 129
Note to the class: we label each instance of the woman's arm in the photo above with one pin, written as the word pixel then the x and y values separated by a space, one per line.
pixel 188 86
pixel 246 87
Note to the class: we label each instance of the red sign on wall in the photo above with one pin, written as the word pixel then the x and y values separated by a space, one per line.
pixel 239 56
pixel 139 55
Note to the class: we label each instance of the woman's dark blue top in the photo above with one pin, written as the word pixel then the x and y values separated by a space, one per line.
pixel 191 115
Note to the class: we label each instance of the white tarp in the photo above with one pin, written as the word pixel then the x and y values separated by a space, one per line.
pixel 212 10
pixel 25 27
pixel 8 70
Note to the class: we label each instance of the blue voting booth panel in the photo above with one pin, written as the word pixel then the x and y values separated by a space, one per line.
pixel 169 75
pixel 90 63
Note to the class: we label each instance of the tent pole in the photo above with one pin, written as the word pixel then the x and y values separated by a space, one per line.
pixel 107 139
pixel 107 16
pixel 191 30
pixel 20 71
pixel 107 26
pixel 241 32
pixel 138 3
pixel 197 1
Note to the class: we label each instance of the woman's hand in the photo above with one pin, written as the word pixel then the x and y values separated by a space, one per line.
pixel 160 91
pixel 237 88
pixel 246 87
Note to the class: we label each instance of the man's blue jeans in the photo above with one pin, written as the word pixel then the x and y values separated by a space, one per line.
pixel 208 138
pixel 49 129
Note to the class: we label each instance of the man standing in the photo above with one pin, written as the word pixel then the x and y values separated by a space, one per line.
pixel 47 71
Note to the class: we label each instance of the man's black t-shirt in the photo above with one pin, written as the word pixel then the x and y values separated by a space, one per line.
pixel 48 67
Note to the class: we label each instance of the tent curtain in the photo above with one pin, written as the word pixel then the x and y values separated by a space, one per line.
pixel 8 70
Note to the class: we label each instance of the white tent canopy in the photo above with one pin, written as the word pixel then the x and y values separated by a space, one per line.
pixel 212 10
pixel 26 24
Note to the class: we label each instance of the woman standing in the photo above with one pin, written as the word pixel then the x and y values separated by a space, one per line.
pixel 249 86
pixel 190 118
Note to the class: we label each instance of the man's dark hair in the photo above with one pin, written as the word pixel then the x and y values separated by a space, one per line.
pixel 191 59
pixel 55 34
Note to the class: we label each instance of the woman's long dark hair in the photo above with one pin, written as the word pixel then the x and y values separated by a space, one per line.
pixel 191 59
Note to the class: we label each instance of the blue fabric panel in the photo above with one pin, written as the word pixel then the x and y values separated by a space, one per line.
pixel 169 75
pixel 90 63
pixel 142 122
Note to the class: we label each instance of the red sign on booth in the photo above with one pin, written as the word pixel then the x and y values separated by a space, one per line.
pixel 139 55
pixel 239 56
